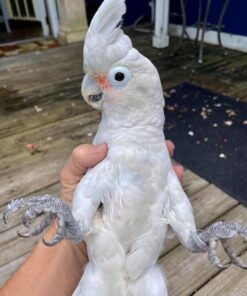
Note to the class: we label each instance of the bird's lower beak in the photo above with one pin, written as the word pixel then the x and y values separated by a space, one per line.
pixel 95 98
pixel 91 92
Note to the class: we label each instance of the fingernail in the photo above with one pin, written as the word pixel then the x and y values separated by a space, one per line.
pixel 99 148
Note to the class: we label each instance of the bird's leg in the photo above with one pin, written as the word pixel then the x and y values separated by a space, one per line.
pixel 223 232
pixel 53 207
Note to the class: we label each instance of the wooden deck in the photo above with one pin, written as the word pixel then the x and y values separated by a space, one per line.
pixel 41 104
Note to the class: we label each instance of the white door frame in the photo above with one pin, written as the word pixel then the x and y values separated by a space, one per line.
pixel 161 37
pixel 53 17
pixel 41 15
pixel 5 15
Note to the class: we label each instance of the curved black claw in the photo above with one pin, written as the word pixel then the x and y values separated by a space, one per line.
pixel 212 255
pixel 223 231
pixel 236 260
pixel 54 207
pixel 23 234
pixel 59 236
pixel 38 229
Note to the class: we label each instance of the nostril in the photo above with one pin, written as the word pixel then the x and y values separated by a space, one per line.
pixel 95 98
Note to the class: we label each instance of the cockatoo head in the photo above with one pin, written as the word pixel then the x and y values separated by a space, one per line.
pixel 119 80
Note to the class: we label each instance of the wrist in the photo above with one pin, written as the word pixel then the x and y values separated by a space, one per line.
pixel 53 270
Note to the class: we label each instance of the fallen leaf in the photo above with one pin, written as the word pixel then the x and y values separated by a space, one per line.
pixel 38 109
pixel 204 115
pixel 32 147
pixel 230 112
pixel 228 123
pixel 166 94
pixel 170 108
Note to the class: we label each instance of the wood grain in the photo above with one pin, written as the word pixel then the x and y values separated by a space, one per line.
pixel 230 282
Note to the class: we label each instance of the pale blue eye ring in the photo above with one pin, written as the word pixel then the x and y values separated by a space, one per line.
pixel 119 76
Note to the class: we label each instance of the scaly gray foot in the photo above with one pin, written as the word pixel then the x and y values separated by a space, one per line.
pixel 223 232
pixel 226 243
pixel 53 207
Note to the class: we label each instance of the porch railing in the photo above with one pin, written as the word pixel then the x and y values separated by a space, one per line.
pixel 21 9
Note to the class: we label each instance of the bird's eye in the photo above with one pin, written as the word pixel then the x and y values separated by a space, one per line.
pixel 119 76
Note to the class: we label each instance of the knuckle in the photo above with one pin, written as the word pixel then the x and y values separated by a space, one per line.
pixel 80 151
pixel 63 174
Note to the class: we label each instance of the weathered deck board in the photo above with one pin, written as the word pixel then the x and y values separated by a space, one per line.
pixel 34 58
pixel 188 272
pixel 51 80
pixel 230 282
pixel 29 118
pixel 192 183
pixel 75 127
pixel 41 169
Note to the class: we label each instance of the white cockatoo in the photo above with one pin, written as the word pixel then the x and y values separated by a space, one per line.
pixel 123 206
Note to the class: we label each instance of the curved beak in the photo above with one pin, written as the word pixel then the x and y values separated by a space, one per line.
pixel 91 92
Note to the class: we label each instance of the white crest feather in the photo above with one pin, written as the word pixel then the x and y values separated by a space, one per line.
pixel 105 43
pixel 108 17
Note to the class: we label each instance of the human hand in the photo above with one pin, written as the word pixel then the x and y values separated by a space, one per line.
pixel 87 156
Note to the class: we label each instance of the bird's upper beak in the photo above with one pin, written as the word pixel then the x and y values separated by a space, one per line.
pixel 91 92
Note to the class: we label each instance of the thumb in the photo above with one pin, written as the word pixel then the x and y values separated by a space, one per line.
pixel 86 156
pixel 82 158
